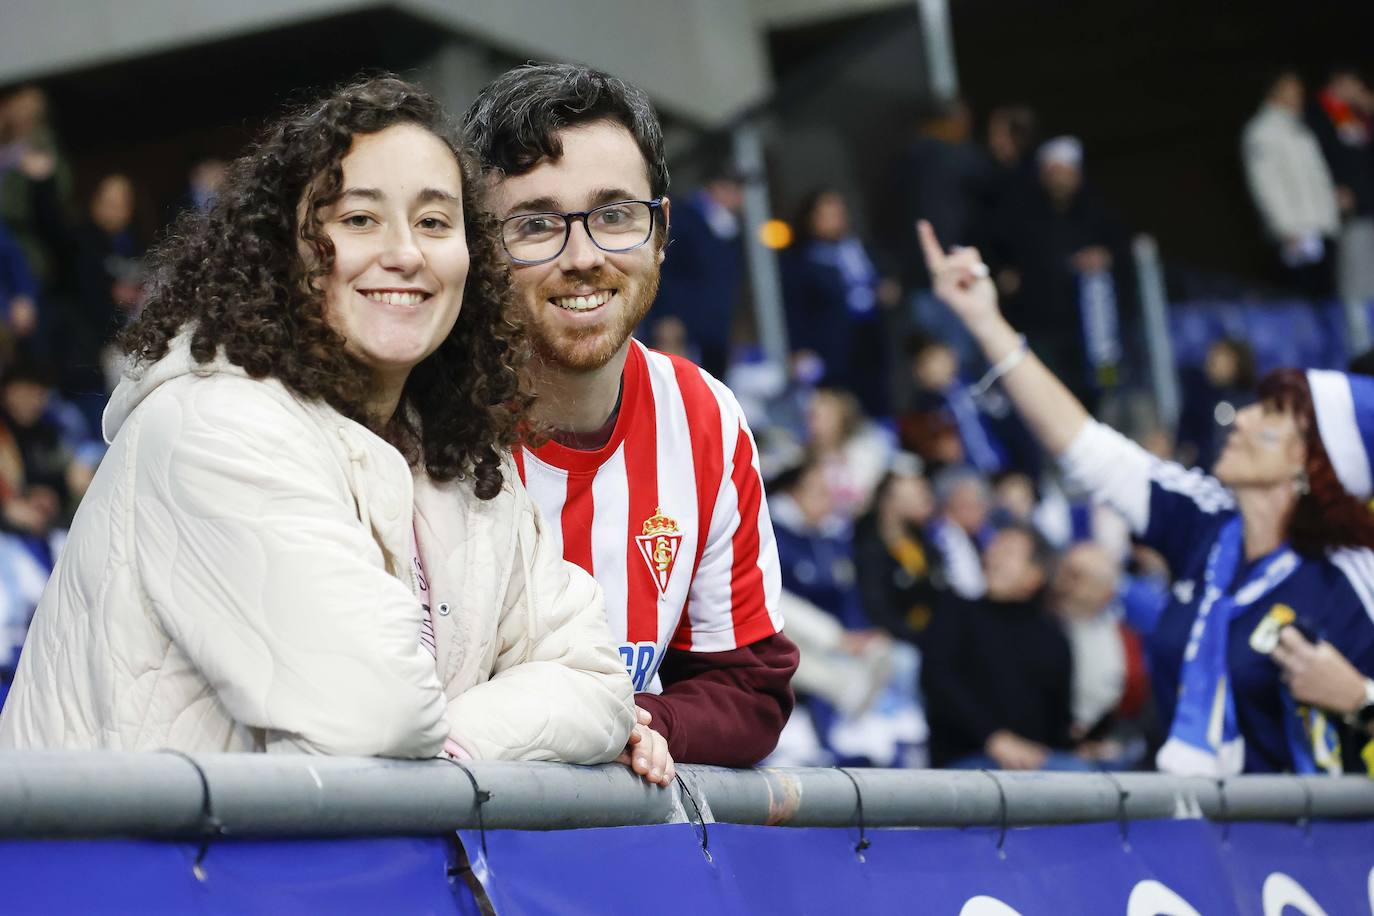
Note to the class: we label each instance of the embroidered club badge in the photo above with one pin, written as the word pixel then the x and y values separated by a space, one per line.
pixel 1265 638
pixel 658 545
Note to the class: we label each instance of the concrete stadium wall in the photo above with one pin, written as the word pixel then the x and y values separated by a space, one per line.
pixel 700 59
pixel 40 38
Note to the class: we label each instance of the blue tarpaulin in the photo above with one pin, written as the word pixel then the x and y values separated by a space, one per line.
pixel 391 875
pixel 1169 865
pixel 1150 867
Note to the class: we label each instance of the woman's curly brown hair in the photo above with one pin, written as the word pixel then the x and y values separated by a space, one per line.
pixel 236 278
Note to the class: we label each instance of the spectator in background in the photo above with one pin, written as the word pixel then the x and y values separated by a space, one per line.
pixel 1212 397
pixel 840 675
pixel 1012 137
pixel 833 296
pixel 21 585
pixel 940 176
pixel 1047 244
pixel 815 546
pixel 669 335
pixel 101 286
pixel 29 156
pixel 699 287
pixel 1340 118
pixel 1110 685
pixel 880 718
pixel 960 527
pixel 899 572
pixel 943 423
pixel 18 293
pixel 45 479
pixel 776 401
pixel 1291 186
pixel 1014 498
pixel 998 671
pixel 852 451
pixel 203 181
pixel 43 474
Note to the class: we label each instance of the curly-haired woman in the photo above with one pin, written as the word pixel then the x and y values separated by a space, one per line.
pixel 1279 535
pixel 307 534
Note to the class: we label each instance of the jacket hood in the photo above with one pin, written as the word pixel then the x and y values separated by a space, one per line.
pixel 140 381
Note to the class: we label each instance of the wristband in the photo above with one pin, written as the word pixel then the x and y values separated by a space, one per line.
pixel 1004 365
pixel 1363 716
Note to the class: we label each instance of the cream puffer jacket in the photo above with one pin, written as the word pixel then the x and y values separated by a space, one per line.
pixel 239 578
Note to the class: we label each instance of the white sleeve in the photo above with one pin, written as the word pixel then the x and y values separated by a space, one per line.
pixel 255 564
pixel 559 690
pixel 1108 467
pixel 1111 469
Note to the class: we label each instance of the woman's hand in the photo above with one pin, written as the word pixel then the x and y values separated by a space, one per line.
pixel 1319 674
pixel 960 279
pixel 646 753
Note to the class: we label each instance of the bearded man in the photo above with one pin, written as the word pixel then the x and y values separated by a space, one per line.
pixel 650 473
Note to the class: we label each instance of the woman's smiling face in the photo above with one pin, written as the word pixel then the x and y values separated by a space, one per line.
pixel 400 250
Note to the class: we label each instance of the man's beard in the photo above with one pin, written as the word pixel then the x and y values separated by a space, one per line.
pixel 592 348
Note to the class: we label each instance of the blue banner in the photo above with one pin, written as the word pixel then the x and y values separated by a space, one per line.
pixel 1178 868
pixel 1159 868
pixel 389 875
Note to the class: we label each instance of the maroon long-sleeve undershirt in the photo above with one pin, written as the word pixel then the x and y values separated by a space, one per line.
pixel 724 708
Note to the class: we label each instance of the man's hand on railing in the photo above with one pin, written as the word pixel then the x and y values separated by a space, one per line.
pixel 1012 752
pixel 646 753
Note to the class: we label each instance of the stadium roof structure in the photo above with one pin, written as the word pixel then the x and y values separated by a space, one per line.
pixel 702 60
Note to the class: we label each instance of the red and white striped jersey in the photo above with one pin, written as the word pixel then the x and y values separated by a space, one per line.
pixel 668 516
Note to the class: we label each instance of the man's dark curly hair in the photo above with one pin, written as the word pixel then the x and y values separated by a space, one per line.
pixel 235 277
pixel 514 123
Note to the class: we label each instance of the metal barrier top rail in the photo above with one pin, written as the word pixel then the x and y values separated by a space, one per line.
pixel 65 794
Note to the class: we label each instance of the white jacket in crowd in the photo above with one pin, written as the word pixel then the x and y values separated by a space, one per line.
pixel 239 578
pixel 1288 177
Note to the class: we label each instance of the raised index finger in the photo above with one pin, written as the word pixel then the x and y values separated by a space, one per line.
pixel 930 247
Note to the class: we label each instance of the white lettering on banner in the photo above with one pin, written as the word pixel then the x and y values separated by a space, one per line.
pixel 1151 898
pixel 987 906
pixel 1281 891
pixel 1371 890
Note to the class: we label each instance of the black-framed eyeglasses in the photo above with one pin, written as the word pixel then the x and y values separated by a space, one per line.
pixel 537 238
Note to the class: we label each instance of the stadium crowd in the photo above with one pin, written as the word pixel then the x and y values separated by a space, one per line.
pixel 958 600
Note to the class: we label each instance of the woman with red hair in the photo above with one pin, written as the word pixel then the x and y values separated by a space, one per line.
pixel 1280 534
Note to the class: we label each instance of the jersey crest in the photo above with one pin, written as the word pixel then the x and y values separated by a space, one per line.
pixel 658 545
pixel 1265 638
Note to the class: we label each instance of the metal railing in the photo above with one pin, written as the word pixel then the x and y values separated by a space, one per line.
pixel 67 794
